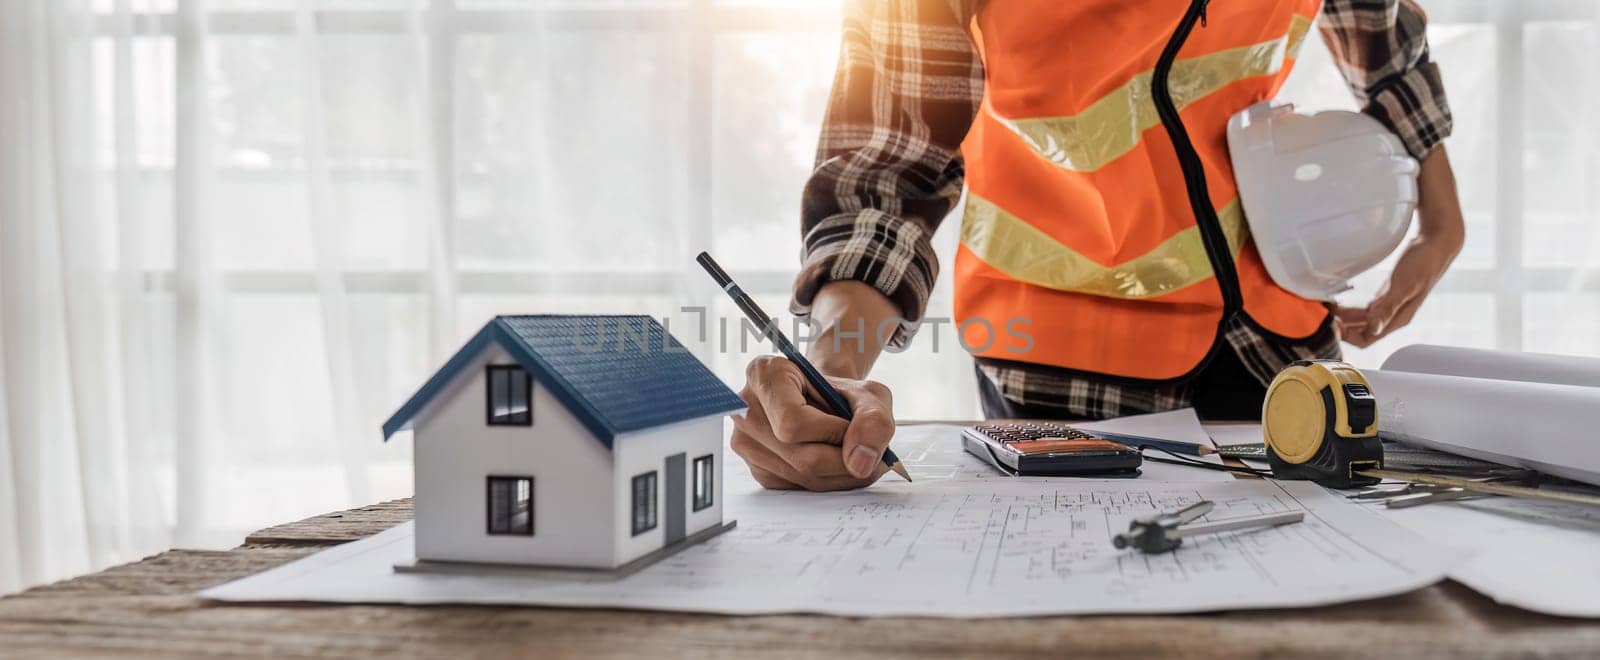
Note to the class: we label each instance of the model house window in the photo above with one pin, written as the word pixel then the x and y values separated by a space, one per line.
pixel 644 503
pixel 511 506
pixel 510 396
pixel 703 484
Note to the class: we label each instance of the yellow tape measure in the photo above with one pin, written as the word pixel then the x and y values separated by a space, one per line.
pixel 1321 424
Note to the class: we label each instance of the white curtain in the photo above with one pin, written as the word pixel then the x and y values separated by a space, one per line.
pixel 71 497
pixel 235 234
pixel 180 341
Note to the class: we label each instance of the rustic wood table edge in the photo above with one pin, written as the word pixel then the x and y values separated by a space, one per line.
pixel 148 608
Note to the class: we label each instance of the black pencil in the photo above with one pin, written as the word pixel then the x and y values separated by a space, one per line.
pixel 840 406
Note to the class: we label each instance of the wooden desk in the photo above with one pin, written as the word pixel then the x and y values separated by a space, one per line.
pixel 147 608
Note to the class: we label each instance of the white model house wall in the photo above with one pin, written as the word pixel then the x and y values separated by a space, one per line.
pixel 646 451
pixel 456 451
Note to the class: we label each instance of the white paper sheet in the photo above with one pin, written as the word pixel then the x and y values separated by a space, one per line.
pixel 1539 556
pixel 1182 425
pixel 1000 547
pixel 1235 433
pixel 1537 425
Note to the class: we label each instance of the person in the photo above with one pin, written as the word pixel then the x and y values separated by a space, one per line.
pixel 1103 268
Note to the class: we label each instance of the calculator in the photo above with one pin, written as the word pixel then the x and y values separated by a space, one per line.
pixel 1049 449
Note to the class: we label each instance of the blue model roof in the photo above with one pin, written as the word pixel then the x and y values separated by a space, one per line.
pixel 615 373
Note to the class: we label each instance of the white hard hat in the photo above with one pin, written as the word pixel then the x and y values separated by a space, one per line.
pixel 1327 196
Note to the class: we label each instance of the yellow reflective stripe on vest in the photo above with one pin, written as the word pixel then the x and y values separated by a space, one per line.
pixel 1024 253
pixel 1112 125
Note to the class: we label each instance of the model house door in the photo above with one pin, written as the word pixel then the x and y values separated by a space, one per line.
pixel 677 501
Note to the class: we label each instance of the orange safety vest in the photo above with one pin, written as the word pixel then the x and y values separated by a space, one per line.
pixel 1093 224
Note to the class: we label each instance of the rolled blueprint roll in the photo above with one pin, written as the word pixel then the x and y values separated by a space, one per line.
pixel 1540 412
pixel 1497 365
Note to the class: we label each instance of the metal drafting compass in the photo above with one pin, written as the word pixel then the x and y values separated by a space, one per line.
pixel 1162 532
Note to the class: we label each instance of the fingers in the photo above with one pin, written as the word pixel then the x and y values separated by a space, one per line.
pixel 779 389
pixel 1392 309
pixel 1359 339
pixel 1352 324
pixel 1364 327
pixel 762 465
pixel 812 466
pixel 789 442
pixel 1350 317
pixel 788 461
pixel 1402 317
pixel 870 429
pixel 1414 275
pixel 1382 319
pixel 769 480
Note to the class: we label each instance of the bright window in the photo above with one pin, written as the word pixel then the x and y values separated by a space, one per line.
pixel 510 397
pixel 644 503
pixel 705 484
pixel 326 202
pixel 511 506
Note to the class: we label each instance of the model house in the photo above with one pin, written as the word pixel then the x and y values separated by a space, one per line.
pixel 567 441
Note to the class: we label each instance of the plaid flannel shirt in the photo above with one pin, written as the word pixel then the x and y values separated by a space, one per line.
pixel 889 169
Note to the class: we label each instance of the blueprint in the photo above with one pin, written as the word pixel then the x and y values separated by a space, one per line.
pixel 980 547
pixel 1535 555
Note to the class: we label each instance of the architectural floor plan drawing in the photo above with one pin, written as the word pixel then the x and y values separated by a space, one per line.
pixel 959 548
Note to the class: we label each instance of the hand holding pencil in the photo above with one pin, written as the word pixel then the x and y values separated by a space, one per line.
pixel 805 430
pixel 791 443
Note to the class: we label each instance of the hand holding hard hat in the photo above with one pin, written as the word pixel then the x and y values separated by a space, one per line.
pixel 1327 197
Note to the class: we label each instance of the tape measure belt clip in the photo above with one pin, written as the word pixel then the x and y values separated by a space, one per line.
pixel 1361 409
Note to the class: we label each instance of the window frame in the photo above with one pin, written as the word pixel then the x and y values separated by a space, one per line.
pixel 653 520
pixel 526 418
pixel 489 518
pixel 700 501
pixel 1510 280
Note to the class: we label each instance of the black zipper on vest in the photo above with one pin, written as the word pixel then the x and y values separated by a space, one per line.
pixel 1194 175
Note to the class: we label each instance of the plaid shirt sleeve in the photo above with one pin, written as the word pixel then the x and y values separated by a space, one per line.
pixel 1381 47
pixel 888 164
